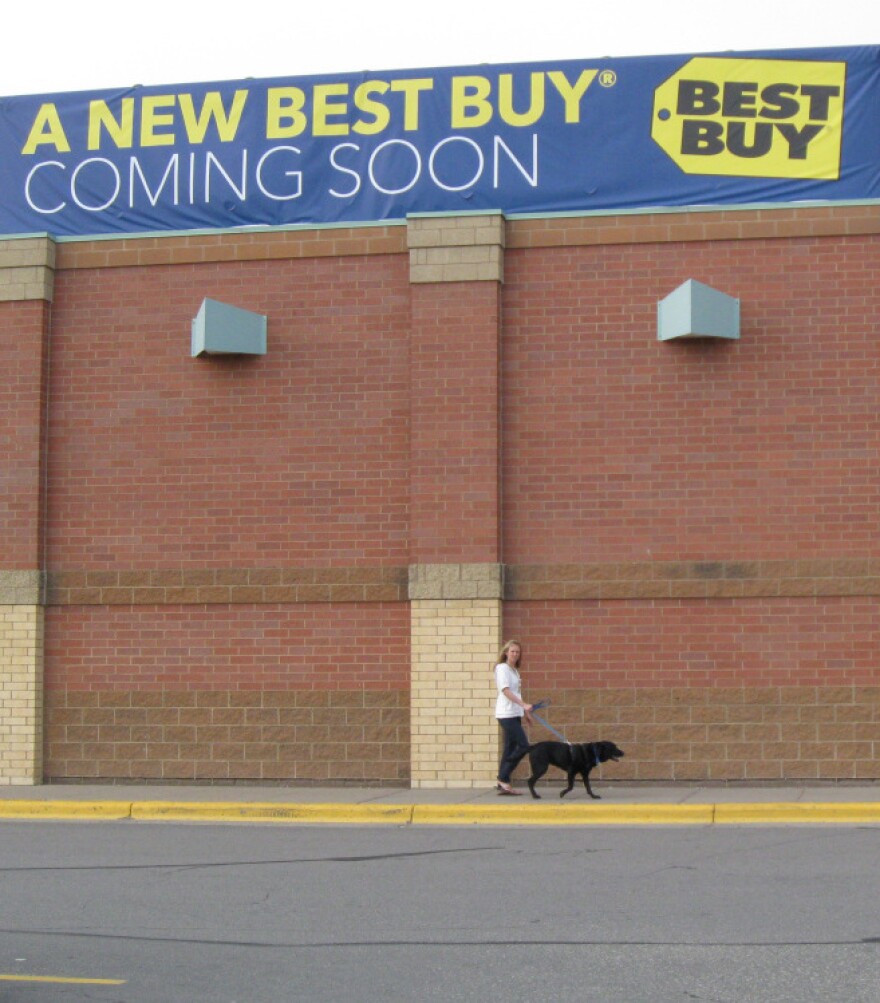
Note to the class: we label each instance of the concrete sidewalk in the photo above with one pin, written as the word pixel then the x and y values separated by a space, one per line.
pixel 622 804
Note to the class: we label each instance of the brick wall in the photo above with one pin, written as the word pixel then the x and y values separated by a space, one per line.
pixel 304 691
pixel 254 510
pixel 276 735
pixel 688 532
pixel 618 447
pixel 22 404
pixel 298 457
pixel 699 643
pixel 692 530
pixel 711 689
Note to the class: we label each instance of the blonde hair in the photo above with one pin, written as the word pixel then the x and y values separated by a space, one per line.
pixel 502 657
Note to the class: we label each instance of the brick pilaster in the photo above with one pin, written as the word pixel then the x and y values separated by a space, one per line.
pixel 455 619
pixel 456 248
pixel 27 269
pixel 26 287
pixel 21 694
pixel 456 270
pixel 455 294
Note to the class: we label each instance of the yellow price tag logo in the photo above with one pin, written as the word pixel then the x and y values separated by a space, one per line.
pixel 772 118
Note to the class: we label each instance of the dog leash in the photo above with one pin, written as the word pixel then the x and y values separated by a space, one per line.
pixel 594 746
pixel 540 720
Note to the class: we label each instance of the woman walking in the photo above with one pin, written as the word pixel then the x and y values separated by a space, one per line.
pixel 510 709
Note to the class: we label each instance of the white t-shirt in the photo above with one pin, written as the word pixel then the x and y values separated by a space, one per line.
pixel 507 676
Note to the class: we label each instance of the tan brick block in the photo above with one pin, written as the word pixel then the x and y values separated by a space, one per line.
pixel 21 691
pixel 455 640
pixel 456 249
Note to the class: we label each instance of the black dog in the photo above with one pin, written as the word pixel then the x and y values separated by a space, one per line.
pixel 573 759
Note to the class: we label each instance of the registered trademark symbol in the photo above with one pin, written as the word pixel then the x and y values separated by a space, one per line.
pixel 607 78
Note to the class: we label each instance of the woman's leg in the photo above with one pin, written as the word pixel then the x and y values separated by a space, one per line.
pixel 515 744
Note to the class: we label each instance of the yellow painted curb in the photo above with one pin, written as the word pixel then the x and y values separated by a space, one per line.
pixel 550 814
pixel 65 809
pixel 845 812
pixel 515 813
pixel 205 811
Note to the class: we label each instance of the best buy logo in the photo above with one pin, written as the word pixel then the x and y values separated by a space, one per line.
pixel 772 118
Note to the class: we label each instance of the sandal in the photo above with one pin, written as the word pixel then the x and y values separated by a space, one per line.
pixel 507 790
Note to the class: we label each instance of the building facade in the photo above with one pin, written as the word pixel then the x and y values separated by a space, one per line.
pixel 300 566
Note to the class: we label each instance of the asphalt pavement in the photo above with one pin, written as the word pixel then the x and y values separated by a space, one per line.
pixel 622 803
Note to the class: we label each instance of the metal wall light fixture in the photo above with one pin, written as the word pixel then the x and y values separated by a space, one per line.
pixel 220 329
pixel 697 311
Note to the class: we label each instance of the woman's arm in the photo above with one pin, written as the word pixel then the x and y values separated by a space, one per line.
pixel 515 698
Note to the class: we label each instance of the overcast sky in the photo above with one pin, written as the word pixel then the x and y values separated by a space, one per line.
pixel 59 45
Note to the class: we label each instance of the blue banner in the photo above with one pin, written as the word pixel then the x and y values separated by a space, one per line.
pixel 574 136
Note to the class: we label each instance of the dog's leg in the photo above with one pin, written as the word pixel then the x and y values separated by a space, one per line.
pixel 537 773
pixel 571 776
pixel 595 797
pixel 533 779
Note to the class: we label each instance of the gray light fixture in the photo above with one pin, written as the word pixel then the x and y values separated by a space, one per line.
pixel 697 311
pixel 220 329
